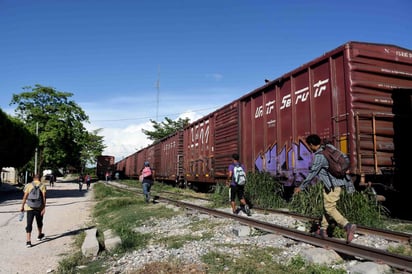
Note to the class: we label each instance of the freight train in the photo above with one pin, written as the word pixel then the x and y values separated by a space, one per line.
pixel 105 164
pixel 357 96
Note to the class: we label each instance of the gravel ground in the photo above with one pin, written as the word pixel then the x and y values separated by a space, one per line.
pixel 224 237
pixel 67 213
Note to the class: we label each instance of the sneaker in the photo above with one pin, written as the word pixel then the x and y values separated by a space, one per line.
pixel 322 233
pixel 28 244
pixel 350 231
pixel 237 210
pixel 247 210
pixel 40 237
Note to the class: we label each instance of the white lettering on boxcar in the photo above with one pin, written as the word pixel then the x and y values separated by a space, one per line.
pixel 270 106
pixel 169 146
pixel 200 134
pixel 302 95
pixel 403 54
pixel 286 101
pixel 320 87
pixel 259 112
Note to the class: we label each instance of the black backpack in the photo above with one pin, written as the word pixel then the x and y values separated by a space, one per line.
pixel 338 161
pixel 35 197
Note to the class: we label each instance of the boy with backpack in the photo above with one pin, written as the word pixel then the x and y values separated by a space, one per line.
pixel 236 182
pixel 34 203
pixel 332 188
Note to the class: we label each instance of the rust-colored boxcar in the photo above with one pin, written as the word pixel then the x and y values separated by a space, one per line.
pixel 104 163
pixel 169 159
pixel 198 152
pixel 358 96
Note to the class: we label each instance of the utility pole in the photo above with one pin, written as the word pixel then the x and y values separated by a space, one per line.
pixel 158 91
pixel 35 154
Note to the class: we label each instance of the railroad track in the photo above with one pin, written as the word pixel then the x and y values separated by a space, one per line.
pixel 390 235
pixel 400 262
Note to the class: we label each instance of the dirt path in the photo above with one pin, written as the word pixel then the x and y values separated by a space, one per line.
pixel 67 213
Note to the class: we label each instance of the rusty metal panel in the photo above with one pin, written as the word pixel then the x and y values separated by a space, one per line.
pixel 141 158
pixel 227 138
pixel 131 169
pixel 199 145
pixel 377 75
pixel 120 166
pixel 150 156
pixel 258 116
pixel 156 162
pixel 171 158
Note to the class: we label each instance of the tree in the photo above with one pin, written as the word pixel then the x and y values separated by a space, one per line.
pixel 17 143
pixel 92 146
pixel 58 122
pixel 165 128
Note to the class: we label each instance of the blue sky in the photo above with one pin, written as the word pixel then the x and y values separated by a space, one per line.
pixel 130 61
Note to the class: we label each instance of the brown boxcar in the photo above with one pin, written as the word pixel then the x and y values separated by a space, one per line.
pixel 169 159
pixel 132 167
pixel 198 151
pixel 120 166
pixel 104 163
pixel 357 96
pixel 141 157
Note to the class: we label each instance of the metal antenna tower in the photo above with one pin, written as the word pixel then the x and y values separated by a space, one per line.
pixel 158 91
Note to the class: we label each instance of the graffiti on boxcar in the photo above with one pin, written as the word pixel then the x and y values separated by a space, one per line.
pixel 200 135
pixel 292 163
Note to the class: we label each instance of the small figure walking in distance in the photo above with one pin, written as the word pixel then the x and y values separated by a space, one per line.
pixel 87 179
pixel 51 180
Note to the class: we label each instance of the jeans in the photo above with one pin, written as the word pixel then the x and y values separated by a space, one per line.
pixel 146 191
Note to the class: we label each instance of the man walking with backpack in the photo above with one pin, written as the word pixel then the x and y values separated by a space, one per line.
pixel 331 191
pixel 236 182
pixel 34 209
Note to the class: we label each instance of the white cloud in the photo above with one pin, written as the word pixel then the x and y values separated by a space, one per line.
pixel 216 76
pixel 124 141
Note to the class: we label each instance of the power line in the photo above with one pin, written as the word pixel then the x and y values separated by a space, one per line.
pixel 148 117
pixel 157 96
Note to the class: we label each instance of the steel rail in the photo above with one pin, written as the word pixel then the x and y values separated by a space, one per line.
pixel 400 262
pixel 387 234
pixel 396 236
